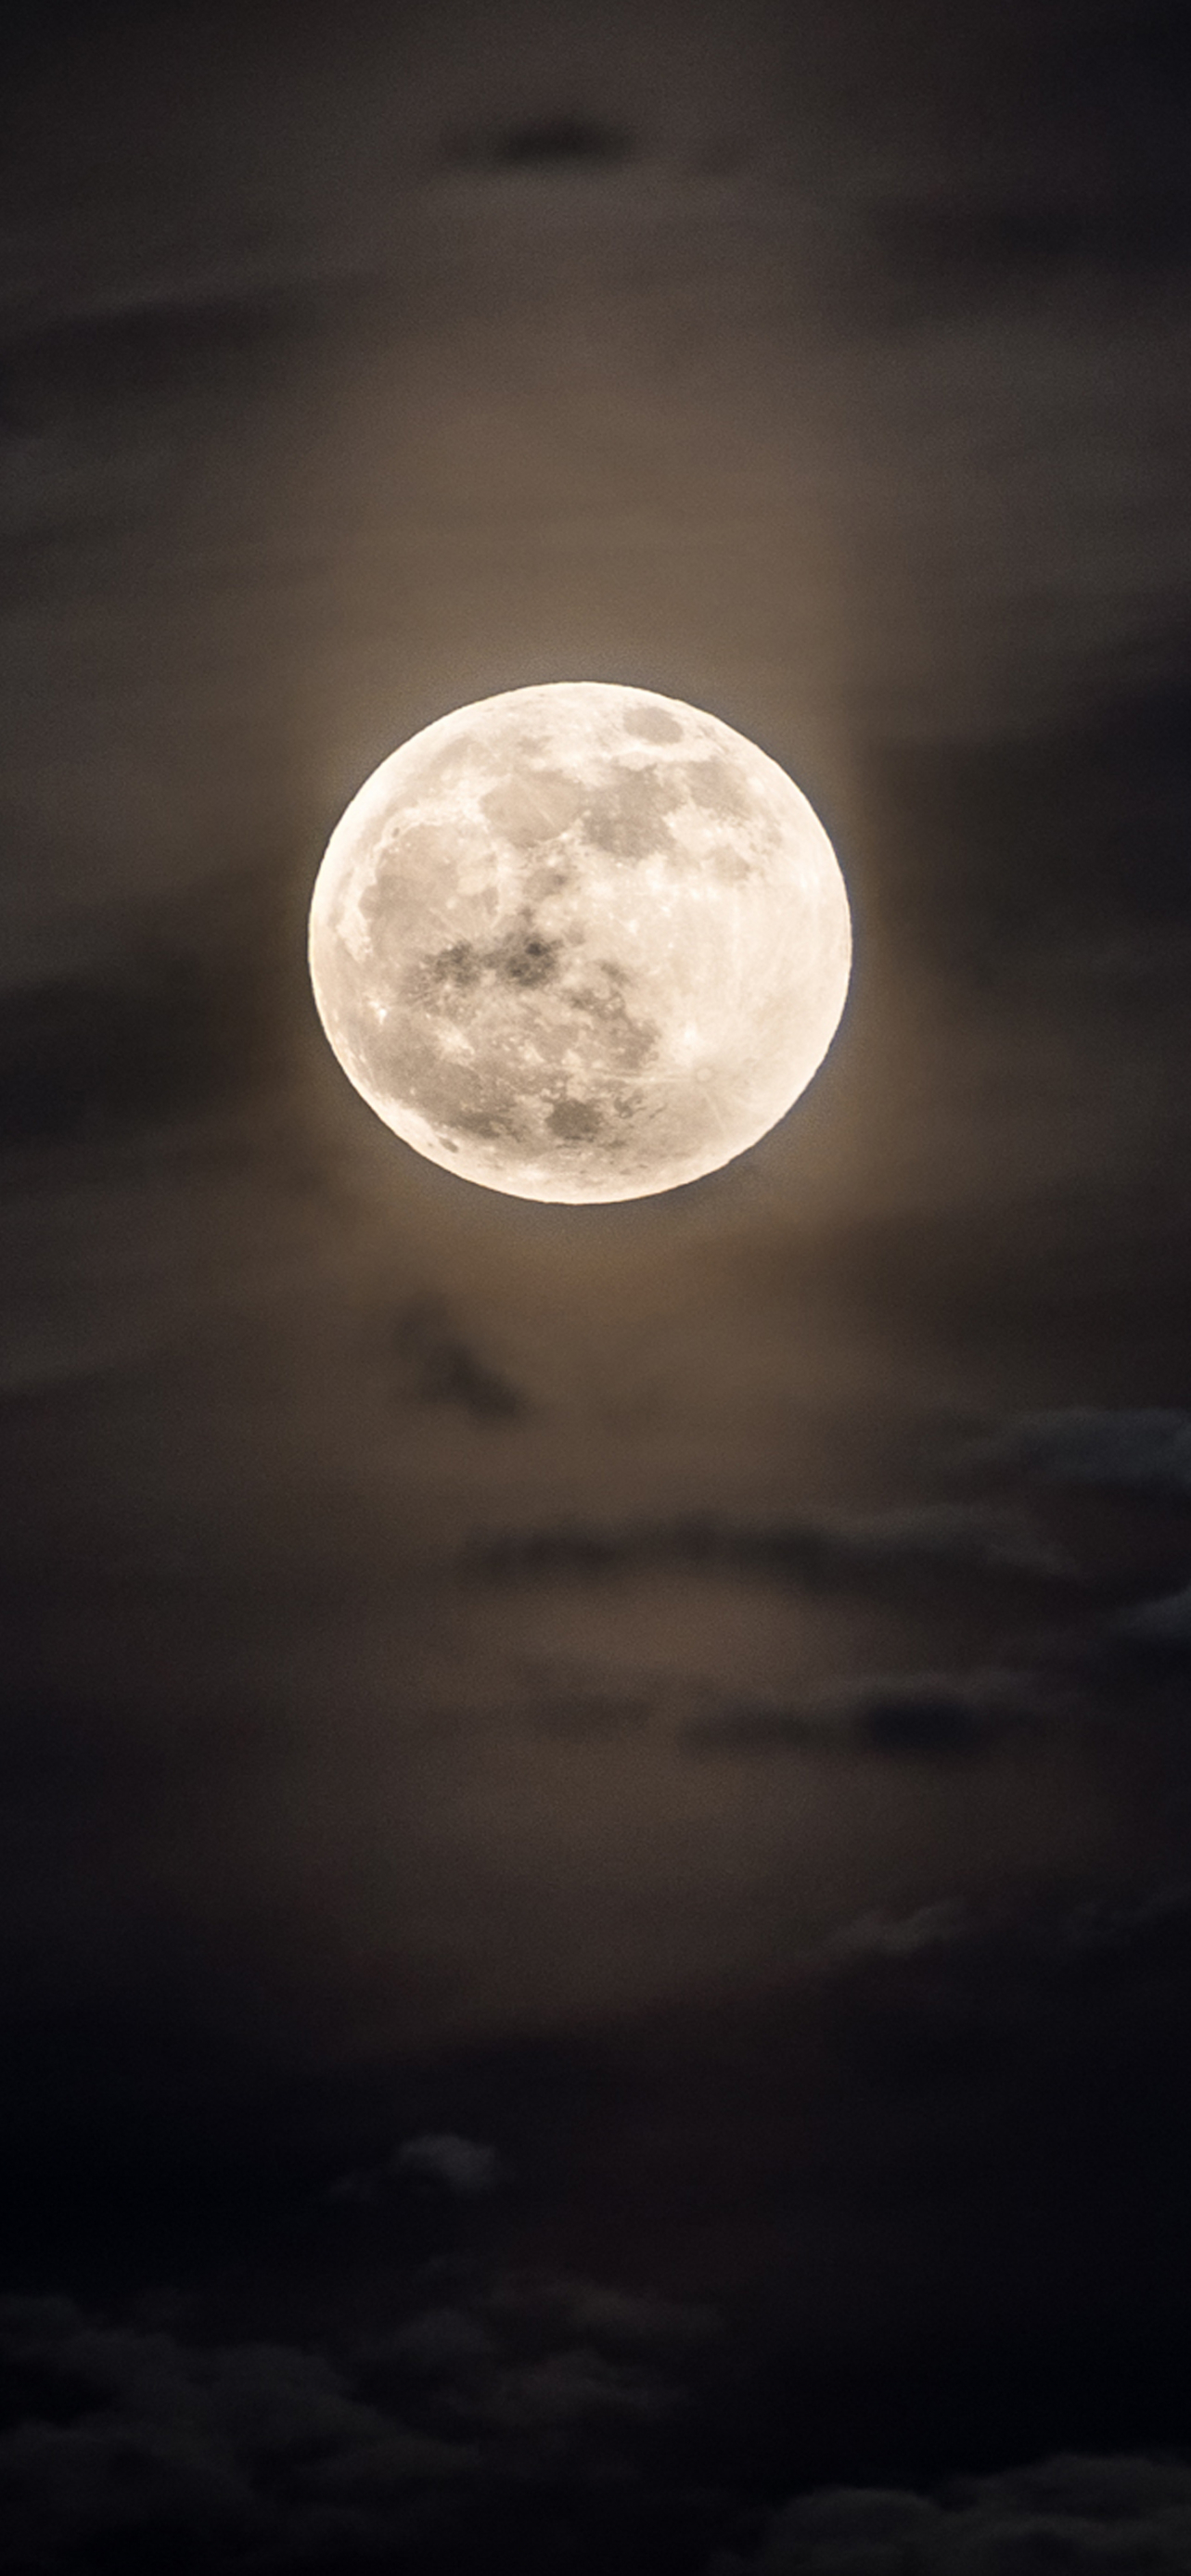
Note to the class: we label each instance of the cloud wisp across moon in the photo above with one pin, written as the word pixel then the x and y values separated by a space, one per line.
pixel 580 942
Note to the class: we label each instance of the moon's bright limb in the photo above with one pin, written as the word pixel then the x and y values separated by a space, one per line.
pixel 580 942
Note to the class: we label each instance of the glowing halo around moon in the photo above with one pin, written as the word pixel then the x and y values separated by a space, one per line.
pixel 580 942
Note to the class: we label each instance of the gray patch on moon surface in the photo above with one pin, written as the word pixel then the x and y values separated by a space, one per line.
pixel 713 784
pixel 729 863
pixel 534 806
pixel 526 958
pixel 523 958
pixel 651 724
pixel 579 1121
pixel 628 818
pixel 547 969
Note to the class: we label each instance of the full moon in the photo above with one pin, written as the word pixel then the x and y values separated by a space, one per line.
pixel 580 942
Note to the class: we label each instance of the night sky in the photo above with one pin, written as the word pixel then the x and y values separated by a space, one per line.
pixel 595 1803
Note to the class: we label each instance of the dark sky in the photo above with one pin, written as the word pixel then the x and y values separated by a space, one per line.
pixel 595 1804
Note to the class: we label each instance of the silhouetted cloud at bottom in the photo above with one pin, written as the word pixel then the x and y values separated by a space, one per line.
pixel 1089 2517
pixel 526 2404
pixel 509 2428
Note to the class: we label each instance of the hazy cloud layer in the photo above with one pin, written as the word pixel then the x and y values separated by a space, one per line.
pixel 1147 1449
pixel 918 1716
pixel 944 1538
pixel 1162 1625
